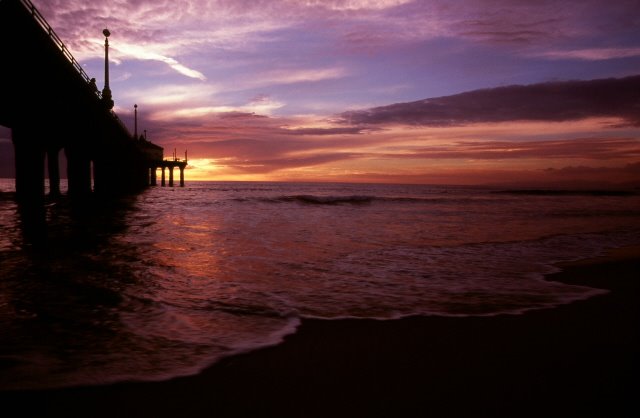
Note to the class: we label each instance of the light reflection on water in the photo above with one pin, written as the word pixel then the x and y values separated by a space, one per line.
pixel 164 283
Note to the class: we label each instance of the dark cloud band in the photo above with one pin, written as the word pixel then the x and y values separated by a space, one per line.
pixel 553 102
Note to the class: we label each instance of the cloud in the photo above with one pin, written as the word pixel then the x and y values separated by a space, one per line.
pixel 632 171
pixel 575 148
pixel 171 27
pixel 554 102
pixel 402 139
pixel 262 104
pixel 325 131
pixel 175 94
pixel 144 53
pixel 569 177
pixel 543 22
pixel 266 155
pixel 507 31
pixel 266 166
pixel 270 78
pixel 224 77
pixel 590 54
pixel 356 4
pixel 259 106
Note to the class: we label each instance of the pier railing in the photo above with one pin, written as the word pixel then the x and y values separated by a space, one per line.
pixel 56 39
pixel 37 16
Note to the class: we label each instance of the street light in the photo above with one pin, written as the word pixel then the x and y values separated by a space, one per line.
pixel 106 91
pixel 135 121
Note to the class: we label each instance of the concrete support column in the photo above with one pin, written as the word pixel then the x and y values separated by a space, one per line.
pixel 145 177
pixel 100 176
pixel 154 180
pixel 78 171
pixel 29 162
pixel 162 181
pixel 171 176
pixel 54 172
pixel 181 176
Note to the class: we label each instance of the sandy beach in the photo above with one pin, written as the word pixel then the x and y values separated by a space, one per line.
pixel 577 360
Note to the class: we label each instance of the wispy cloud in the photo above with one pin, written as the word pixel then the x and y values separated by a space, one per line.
pixel 142 53
pixel 289 76
pixel 591 54
pixel 564 176
pixel 258 106
pixel 178 24
pixel 172 95
pixel 574 148
pixel 355 4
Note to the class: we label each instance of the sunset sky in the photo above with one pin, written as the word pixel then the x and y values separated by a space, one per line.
pixel 453 92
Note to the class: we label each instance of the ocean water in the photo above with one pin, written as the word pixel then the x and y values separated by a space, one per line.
pixel 167 282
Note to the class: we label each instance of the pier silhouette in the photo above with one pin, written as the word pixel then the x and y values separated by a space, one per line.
pixel 51 105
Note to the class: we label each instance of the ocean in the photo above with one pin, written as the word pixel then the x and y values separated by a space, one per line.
pixel 167 282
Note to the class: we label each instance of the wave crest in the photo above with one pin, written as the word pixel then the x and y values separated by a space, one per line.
pixel 327 200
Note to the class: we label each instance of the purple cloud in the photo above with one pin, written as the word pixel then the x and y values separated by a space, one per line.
pixel 579 148
pixel 554 102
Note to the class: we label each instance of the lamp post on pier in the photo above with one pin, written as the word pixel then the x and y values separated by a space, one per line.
pixel 135 121
pixel 106 91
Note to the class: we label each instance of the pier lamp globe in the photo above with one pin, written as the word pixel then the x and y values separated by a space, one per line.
pixel 106 33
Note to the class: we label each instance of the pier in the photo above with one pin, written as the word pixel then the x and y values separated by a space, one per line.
pixel 51 105
pixel 168 165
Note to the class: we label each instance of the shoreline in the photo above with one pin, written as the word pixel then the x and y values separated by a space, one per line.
pixel 574 360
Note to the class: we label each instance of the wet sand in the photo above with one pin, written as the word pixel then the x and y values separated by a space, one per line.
pixel 578 360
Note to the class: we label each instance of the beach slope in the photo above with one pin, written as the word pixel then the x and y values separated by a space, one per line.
pixel 577 360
